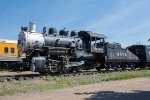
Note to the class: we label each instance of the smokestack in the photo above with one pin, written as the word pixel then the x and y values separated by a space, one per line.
pixel 32 27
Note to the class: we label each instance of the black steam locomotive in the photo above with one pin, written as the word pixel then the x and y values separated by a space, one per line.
pixel 53 52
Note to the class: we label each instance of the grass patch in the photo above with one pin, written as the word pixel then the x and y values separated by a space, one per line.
pixel 126 75
pixel 5 70
pixel 53 82
pixel 18 87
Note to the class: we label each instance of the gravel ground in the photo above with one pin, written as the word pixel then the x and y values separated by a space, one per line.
pixel 132 89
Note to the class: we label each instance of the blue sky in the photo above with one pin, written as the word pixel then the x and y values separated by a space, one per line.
pixel 123 21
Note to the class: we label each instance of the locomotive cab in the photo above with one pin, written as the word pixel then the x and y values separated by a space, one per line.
pixel 92 42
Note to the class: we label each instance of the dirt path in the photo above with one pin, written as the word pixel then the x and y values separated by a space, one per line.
pixel 132 89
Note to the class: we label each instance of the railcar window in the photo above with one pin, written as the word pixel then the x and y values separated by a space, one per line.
pixel 6 50
pixel 12 50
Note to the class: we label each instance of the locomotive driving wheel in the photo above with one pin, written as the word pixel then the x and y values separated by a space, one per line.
pixel 98 66
pixel 71 70
pixel 77 68
pixel 67 70
pixel 64 68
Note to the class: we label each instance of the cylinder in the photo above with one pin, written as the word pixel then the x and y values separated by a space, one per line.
pixel 32 27
pixel 38 64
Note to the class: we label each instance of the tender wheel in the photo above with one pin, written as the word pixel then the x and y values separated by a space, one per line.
pixel 133 67
pixel 123 67
pixel 115 68
pixel 107 67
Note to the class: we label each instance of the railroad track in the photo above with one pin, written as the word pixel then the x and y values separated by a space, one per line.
pixel 96 72
pixel 19 77
pixel 40 76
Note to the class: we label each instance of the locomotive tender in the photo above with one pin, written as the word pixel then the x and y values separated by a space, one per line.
pixel 143 53
pixel 53 52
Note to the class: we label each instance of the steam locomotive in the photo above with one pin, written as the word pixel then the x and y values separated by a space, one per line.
pixel 53 52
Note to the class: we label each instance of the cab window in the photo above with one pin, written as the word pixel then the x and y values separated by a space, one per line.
pixel 12 50
pixel 6 50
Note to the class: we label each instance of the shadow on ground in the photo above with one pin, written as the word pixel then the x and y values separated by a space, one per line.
pixel 111 95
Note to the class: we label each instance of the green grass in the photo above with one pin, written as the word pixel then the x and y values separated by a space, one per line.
pixel 127 75
pixel 53 82
pixel 5 70
pixel 18 87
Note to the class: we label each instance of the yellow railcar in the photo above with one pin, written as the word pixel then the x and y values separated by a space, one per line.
pixel 8 53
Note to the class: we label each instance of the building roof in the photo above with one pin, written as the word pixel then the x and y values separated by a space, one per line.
pixel 8 41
